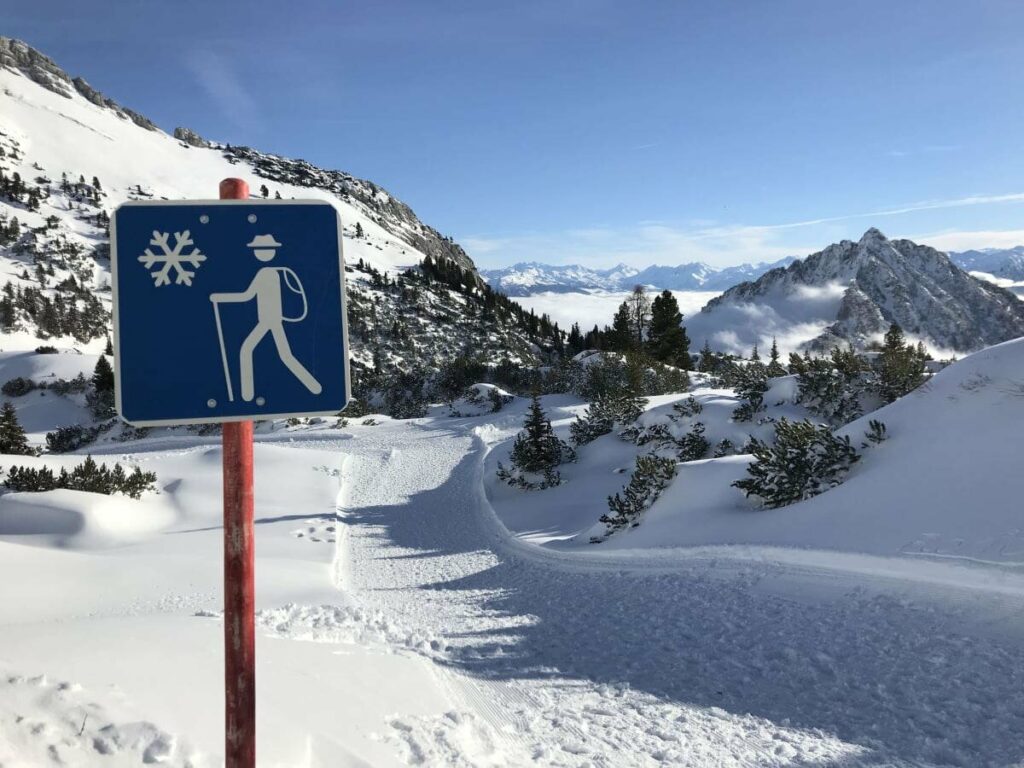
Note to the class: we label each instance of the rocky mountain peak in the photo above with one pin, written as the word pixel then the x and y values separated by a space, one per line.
pixel 852 291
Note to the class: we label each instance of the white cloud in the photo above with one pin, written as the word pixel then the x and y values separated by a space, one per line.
pixel 222 84
pixel 965 241
pixel 722 244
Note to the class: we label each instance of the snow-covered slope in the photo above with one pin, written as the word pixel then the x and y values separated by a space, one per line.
pixel 851 292
pixel 529 278
pixel 1005 263
pixel 70 156
pixel 945 483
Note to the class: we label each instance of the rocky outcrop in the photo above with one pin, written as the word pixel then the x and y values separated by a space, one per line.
pixel 190 137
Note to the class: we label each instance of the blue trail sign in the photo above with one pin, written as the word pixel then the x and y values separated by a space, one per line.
pixel 228 310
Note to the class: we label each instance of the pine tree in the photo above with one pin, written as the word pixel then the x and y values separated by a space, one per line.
pixel 650 477
pixel 103 376
pixel 639 307
pixel 359 230
pixel 754 356
pixel 619 337
pixel 12 436
pixel 264 191
pixel 667 340
pixel 901 366
pixel 775 368
pixel 708 359
pixel 536 451
pixel 109 348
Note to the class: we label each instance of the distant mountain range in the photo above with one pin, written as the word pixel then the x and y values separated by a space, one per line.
pixel 529 278
pixel 1007 263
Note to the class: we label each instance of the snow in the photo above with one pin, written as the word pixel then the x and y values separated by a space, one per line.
pixel 74 136
pixel 78 520
pixel 401 623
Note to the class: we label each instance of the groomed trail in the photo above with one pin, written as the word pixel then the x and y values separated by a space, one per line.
pixel 577 660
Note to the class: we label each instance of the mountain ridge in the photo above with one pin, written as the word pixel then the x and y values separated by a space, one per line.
pixel 849 293
pixel 532 277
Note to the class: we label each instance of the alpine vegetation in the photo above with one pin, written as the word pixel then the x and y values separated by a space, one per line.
pixel 87 476
pixel 650 477
pixel 536 453
pixel 805 460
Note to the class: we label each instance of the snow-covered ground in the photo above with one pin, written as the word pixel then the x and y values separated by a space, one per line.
pixel 402 622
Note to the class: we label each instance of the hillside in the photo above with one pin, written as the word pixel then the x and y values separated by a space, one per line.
pixel 69 156
pixel 852 291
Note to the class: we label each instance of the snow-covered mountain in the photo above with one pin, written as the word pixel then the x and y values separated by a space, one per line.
pixel 69 155
pixel 1007 263
pixel 852 291
pixel 529 278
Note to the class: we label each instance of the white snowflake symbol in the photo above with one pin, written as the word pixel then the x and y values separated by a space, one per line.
pixel 172 257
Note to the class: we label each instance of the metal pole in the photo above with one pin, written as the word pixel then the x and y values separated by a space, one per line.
pixel 239 586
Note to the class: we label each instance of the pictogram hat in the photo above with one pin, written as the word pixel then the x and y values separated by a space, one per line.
pixel 264 241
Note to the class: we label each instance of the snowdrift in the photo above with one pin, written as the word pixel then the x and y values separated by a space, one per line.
pixel 946 483
pixel 79 520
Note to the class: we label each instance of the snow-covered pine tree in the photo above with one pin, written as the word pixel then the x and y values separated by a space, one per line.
pixel 805 460
pixel 101 398
pixel 833 388
pixel 750 382
pixel 650 477
pixel 725 447
pixel 12 435
pixel 693 445
pixel 536 452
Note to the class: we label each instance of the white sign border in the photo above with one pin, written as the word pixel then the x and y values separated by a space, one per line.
pixel 223 419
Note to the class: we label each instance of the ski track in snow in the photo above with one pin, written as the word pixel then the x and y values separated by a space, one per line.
pixel 617 667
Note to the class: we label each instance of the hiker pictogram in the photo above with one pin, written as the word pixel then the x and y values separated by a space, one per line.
pixel 266 289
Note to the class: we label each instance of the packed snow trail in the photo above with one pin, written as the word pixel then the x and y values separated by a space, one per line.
pixel 569 665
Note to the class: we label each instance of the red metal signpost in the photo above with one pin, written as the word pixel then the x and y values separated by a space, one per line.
pixel 239 585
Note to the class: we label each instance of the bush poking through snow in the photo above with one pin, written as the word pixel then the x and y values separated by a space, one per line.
pixel 805 460
pixel 536 453
pixel 693 445
pixel 66 439
pixel 87 476
pixel 651 476
pixel 750 383
pixel 17 386
pixel 875 433
pixel 725 447
pixel 686 408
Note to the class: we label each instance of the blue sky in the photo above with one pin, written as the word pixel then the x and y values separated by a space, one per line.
pixel 594 131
